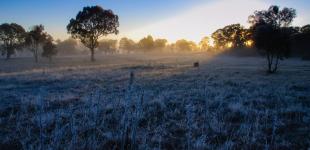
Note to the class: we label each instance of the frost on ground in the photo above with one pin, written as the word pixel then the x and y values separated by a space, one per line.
pixel 227 103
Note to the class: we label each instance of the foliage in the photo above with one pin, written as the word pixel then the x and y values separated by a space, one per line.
pixel 11 38
pixel 204 44
pixel 107 46
pixel 160 44
pixel 146 44
pixel 273 16
pixel 49 49
pixel 35 39
pixel 305 29
pixel 272 33
pixel 68 46
pixel 127 44
pixel 231 36
pixel 92 23
pixel 185 46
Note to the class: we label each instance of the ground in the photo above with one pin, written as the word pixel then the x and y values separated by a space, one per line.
pixel 154 102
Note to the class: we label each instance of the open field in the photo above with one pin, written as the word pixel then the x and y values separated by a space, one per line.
pixel 226 103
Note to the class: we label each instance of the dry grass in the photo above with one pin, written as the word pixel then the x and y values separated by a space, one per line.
pixel 227 103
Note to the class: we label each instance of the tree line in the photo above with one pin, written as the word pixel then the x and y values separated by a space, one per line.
pixel 270 32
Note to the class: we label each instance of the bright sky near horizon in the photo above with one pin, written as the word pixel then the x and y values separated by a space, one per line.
pixel 170 19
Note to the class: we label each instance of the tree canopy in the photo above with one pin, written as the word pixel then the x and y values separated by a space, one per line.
pixel 49 49
pixel 35 39
pixel 231 36
pixel 12 37
pixel 92 23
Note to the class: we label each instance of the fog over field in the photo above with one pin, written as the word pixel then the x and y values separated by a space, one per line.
pixel 154 75
pixel 159 102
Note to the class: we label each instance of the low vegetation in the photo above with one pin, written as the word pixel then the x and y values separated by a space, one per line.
pixel 228 103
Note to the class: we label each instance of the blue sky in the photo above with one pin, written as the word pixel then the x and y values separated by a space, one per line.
pixel 170 19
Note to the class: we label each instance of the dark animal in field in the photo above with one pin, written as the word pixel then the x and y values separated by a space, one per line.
pixel 196 64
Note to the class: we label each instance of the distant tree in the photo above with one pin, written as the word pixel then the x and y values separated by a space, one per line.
pixel 11 38
pixel 92 23
pixel 146 44
pixel 271 33
pixel 107 46
pixel 305 29
pixel 35 39
pixel 185 46
pixel 231 36
pixel 127 45
pixel 204 44
pixel 68 46
pixel 49 49
pixel 160 44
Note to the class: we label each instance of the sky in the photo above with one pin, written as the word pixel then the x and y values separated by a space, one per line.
pixel 170 19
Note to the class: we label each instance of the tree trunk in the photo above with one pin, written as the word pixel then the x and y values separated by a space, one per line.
pixel 92 57
pixel 8 55
pixel 36 56
pixel 35 53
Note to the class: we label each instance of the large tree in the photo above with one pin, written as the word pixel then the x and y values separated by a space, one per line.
pixel 12 37
pixel 231 36
pixel 271 33
pixel 35 39
pixel 92 23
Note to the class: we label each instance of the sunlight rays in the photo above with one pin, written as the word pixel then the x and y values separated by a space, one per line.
pixel 201 20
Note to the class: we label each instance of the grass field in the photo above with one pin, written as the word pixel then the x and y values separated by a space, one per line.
pixel 158 102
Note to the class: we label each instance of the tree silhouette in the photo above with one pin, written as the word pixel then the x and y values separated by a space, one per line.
pixel 49 49
pixel 273 16
pixel 127 44
pixel 35 39
pixel 305 29
pixel 232 36
pixel 271 33
pixel 12 38
pixel 92 23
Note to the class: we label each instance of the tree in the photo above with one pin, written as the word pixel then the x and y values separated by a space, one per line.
pixel 185 46
pixel 231 36
pixel 92 23
pixel 305 29
pixel 127 44
pixel 35 39
pixel 107 46
pixel 12 37
pixel 147 43
pixel 204 44
pixel 68 46
pixel 49 49
pixel 160 44
pixel 271 33
pixel 273 16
